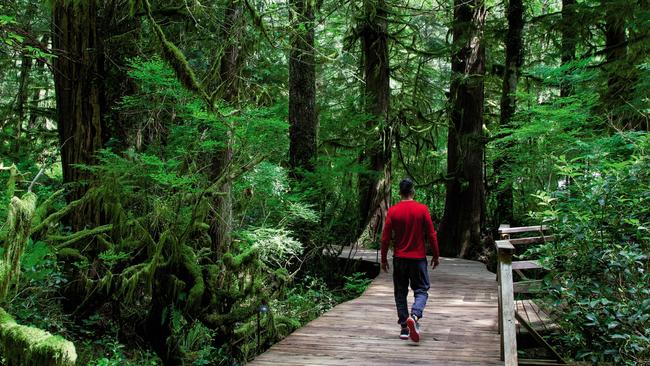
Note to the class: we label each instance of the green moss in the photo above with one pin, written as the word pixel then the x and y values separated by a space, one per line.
pixel 195 295
pixel 28 346
pixel 19 221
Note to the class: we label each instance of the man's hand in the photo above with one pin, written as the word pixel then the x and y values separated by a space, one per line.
pixel 385 266
pixel 434 263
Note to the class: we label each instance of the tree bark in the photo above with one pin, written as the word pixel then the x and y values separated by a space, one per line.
pixel 460 231
pixel 620 72
pixel 114 53
pixel 36 96
pixel 303 121
pixel 78 94
pixel 229 69
pixel 374 183
pixel 514 60
pixel 21 100
pixel 568 45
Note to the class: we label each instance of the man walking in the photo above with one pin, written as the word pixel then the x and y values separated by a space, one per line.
pixel 410 222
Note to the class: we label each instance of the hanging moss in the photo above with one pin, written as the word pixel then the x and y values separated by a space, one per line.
pixel 27 346
pixel 177 60
pixel 19 222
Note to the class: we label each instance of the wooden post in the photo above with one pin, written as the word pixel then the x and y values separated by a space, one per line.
pixel 500 321
pixel 507 301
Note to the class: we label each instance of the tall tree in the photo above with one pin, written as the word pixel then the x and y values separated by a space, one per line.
pixel 514 60
pixel 229 69
pixel 119 36
pixel 374 183
pixel 303 121
pixel 78 92
pixel 618 70
pixel 568 42
pixel 460 231
pixel 26 63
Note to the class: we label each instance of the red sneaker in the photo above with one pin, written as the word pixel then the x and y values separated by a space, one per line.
pixel 414 328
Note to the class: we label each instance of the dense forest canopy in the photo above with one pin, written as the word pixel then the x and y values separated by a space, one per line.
pixel 172 167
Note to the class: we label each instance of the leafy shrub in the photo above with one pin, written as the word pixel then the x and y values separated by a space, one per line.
pixel 356 284
pixel 600 266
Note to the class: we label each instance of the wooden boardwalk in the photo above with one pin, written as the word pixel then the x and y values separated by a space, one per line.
pixel 459 326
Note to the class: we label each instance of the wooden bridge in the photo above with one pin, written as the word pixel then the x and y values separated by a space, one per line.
pixel 459 326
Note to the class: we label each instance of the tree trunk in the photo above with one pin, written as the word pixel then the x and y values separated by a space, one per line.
pixel 21 100
pixel 619 71
pixel 78 94
pixel 465 199
pixel 36 96
pixel 229 69
pixel 303 122
pixel 26 63
pixel 514 60
pixel 568 46
pixel 114 52
pixel 374 184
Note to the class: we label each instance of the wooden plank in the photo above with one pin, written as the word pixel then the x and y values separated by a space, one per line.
pixel 526 265
pixel 535 315
pixel 534 362
pixel 527 287
pixel 505 246
pixel 532 240
pixel 523 229
pixel 540 339
pixel 458 328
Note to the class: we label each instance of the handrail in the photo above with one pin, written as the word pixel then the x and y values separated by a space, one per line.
pixel 503 229
pixel 508 315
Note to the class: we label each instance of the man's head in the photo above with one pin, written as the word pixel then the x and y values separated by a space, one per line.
pixel 406 189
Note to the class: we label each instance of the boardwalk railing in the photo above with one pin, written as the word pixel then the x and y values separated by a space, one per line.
pixel 509 314
pixel 507 326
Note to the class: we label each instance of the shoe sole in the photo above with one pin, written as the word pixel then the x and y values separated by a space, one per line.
pixel 403 337
pixel 413 332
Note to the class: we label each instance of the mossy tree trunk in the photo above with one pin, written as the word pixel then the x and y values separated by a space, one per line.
pixel 78 95
pixel 303 119
pixel 514 60
pixel 460 231
pixel 374 183
pixel 229 76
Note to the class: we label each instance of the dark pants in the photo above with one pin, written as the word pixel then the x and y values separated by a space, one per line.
pixel 413 271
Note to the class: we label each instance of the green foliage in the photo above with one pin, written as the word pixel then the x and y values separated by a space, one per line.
pixel 356 284
pixel 600 267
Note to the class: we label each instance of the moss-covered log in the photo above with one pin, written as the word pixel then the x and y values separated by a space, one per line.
pixel 26 346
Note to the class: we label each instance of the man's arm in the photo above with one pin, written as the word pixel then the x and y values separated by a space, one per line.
pixel 385 238
pixel 432 237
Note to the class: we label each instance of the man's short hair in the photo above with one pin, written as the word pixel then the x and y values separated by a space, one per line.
pixel 406 187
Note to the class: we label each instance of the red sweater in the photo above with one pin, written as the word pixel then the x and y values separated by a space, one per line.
pixel 411 223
